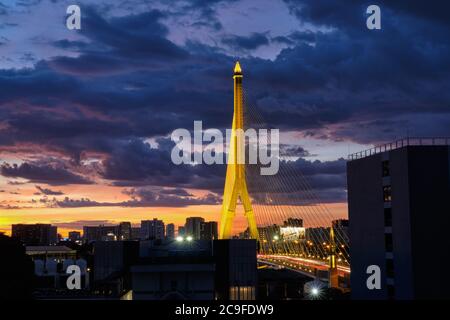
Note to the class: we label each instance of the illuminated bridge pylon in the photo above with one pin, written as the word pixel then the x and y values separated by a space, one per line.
pixel 235 181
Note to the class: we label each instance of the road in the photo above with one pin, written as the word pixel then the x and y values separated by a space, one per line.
pixel 301 264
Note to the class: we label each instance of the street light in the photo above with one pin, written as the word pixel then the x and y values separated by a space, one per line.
pixel 189 238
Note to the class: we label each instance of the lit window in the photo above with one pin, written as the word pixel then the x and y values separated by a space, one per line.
pixel 387 197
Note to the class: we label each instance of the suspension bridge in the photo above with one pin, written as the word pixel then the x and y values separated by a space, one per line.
pixel 293 228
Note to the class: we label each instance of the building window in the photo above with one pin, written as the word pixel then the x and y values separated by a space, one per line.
pixel 388 242
pixel 387 194
pixel 385 168
pixel 390 268
pixel 388 217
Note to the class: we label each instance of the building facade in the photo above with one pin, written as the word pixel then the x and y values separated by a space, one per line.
pixel 152 229
pixel 399 217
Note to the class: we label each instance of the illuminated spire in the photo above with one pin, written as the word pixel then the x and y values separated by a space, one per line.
pixel 237 68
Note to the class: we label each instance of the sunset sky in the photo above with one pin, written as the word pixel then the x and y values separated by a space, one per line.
pixel 86 116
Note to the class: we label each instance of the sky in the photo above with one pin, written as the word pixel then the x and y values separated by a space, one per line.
pixel 86 115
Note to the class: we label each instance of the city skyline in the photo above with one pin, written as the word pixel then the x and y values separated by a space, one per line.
pixel 86 115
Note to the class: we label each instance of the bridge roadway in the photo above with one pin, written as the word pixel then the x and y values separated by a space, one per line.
pixel 309 267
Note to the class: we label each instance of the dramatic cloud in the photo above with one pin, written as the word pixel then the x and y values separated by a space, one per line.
pixel 49 192
pixel 42 174
pixel 251 42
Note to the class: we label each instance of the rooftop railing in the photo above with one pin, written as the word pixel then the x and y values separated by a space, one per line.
pixel 440 141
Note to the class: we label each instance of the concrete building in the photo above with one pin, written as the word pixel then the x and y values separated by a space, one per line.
pixel 236 269
pixel 170 231
pixel 152 229
pixel 194 227
pixel 175 271
pixel 35 234
pixel 399 209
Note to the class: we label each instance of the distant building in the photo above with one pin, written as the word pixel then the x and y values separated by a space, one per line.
pixel 100 233
pixel 170 231
pixel 293 222
pixel 209 231
pixel 399 207
pixel 194 227
pixel 135 233
pixel 152 229
pixel 181 231
pixel 74 236
pixel 124 232
pixel 35 234
pixel 269 233
pixel 341 230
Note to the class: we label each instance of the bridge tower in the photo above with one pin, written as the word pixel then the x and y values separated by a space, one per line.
pixel 333 277
pixel 235 181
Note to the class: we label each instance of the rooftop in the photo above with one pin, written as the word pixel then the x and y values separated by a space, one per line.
pixel 30 250
pixel 405 142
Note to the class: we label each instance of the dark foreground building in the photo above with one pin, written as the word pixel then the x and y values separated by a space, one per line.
pixel 399 212
pixel 16 270
pixel 35 234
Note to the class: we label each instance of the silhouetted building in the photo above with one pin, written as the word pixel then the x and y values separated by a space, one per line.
pixel 152 229
pixel 170 231
pixel 399 216
pixel 100 233
pixel 293 222
pixel 236 269
pixel 16 270
pixel 124 232
pixel 209 231
pixel 35 234
pixel 74 236
pixel 112 261
pixel 175 271
pixel 181 231
pixel 135 233
pixel 194 227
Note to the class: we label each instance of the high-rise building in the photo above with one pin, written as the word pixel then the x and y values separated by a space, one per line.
pixel 209 231
pixel 152 229
pixel 74 236
pixel 170 231
pixel 194 226
pixel 399 207
pixel 181 231
pixel 135 233
pixel 124 231
pixel 100 233
pixel 35 234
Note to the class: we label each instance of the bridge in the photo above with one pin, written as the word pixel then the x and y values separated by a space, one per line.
pixel 294 229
